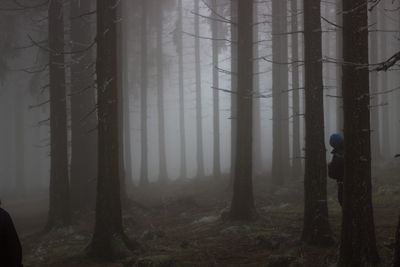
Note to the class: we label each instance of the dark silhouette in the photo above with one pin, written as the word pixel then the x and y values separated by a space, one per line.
pixel 397 156
pixel 10 247
pixel 336 166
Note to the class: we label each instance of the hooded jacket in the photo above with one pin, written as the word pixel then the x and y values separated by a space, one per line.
pixel 10 246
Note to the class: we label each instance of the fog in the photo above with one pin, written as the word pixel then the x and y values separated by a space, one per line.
pixel 168 102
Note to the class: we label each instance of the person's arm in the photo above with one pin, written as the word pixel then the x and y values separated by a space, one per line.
pixel 13 244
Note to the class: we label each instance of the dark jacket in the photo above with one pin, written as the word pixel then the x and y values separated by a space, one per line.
pixel 10 247
pixel 336 166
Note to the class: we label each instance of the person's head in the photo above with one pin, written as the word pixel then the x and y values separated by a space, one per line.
pixel 336 140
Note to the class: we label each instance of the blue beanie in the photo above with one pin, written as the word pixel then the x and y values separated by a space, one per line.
pixel 336 140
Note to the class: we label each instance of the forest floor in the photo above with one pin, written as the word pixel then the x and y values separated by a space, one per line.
pixel 180 225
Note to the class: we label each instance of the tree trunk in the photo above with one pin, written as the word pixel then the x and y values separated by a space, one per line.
pixel 384 76
pixel 59 201
pixel 144 180
pixel 358 242
pixel 83 120
pixel 242 207
pixel 199 118
pixel 108 220
pixel 297 168
pixel 182 136
pixel 375 134
pixel 257 135
pixel 163 175
pixel 339 66
pixel 215 74
pixel 234 73
pixel 280 117
pixel 316 229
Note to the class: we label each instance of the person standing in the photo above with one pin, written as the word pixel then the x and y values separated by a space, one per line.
pixel 336 166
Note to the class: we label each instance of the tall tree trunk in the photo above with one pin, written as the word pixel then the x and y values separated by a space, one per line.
pixel 234 73
pixel 144 180
pixel 358 242
pixel 257 143
pixel 375 134
pixel 199 118
pixel 83 121
pixel 280 117
pixel 108 220
pixel 182 136
pixel 297 168
pixel 339 65
pixel 384 76
pixel 59 202
pixel 215 74
pixel 316 229
pixel 163 175
pixel 242 207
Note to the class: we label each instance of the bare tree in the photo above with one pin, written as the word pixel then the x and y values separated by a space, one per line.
pixel 358 241
pixel 242 207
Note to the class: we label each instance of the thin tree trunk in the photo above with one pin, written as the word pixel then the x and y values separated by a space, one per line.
pixel 375 134
pixel 339 65
pixel 163 175
pixel 234 73
pixel 59 202
pixel 316 229
pixel 199 118
pixel 83 134
pixel 182 136
pixel 144 180
pixel 297 168
pixel 242 207
pixel 384 76
pixel 108 220
pixel 257 144
pixel 215 74
pixel 358 242
pixel 280 117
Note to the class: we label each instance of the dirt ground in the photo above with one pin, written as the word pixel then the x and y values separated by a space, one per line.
pixel 180 225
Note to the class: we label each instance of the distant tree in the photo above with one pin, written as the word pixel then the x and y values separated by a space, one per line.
pixel 358 241
pixel 280 87
pixel 316 229
pixel 59 201
pixel 199 117
pixel 108 229
pixel 234 73
pixel 144 180
pixel 83 118
pixel 182 135
pixel 242 207
pixel 297 167
pixel 374 85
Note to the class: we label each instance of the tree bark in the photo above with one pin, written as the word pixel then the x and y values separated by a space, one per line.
pixel 280 73
pixel 163 175
pixel 215 74
pixel 375 134
pixel 83 121
pixel 242 207
pixel 59 201
pixel 108 220
pixel 297 168
pixel 182 135
pixel 234 73
pixel 199 118
pixel 144 180
pixel 339 66
pixel 316 229
pixel 358 242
